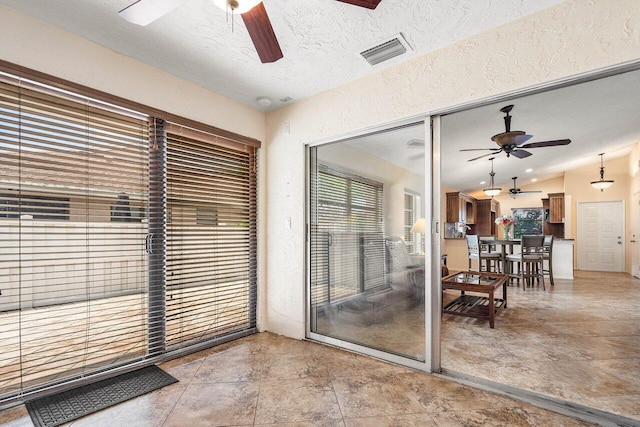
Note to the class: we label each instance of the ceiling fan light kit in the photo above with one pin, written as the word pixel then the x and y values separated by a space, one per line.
pixel 236 6
pixel 602 184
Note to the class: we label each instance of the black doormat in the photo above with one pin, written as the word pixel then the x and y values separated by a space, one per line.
pixel 60 408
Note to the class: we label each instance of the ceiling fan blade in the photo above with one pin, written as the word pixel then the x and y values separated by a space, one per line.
pixel 369 4
pixel 264 39
pixel 521 139
pixel 546 143
pixel 481 149
pixel 529 191
pixel 521 154
pixel 144 12
pixel 484 155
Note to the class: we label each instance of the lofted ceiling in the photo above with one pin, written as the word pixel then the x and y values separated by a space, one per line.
pixel 320 39
pixel 600 116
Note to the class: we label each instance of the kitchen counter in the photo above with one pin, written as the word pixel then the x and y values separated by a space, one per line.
pixel 562 256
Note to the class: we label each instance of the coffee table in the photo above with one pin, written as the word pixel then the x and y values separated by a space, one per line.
pixel 477 306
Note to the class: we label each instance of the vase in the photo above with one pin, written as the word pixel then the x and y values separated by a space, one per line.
pixel 505 233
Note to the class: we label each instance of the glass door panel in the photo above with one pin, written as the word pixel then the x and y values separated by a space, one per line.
pixel 367 270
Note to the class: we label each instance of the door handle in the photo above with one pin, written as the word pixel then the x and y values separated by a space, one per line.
pixel 619 242
pixel 633 241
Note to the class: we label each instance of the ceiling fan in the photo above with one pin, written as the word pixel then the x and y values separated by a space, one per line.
pixel 515 191
pixel 514 142
pixel 253 12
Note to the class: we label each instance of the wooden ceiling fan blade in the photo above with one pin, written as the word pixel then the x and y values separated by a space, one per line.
pixel 546 143
pixel 144 12
pixel 261 32
pixel 484 155
pixel 530 191
pixel 521 154
pixel 369 4
pixel 495 150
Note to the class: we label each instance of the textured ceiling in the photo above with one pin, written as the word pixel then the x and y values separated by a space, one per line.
pixel 600 116
pixel 320 39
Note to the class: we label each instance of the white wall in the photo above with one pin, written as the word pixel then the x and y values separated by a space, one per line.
pixel 573 37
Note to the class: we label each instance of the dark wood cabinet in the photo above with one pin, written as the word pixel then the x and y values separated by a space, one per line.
pixel 554 215
pixel 461 208
pixel 556 208
pixel 487 210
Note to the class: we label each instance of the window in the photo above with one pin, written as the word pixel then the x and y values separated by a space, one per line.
pixel 528 221
pixel 348 231
pixel 413 241
pixel 14 206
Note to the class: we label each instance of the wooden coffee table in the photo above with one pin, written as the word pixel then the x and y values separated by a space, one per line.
pixel 478 306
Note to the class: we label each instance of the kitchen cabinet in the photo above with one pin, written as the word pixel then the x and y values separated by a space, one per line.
pixel 487 210
pixel 461 208
pixel 556 208
pixel 554 228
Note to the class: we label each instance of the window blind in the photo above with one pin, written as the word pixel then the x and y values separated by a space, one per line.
pixel 67 165
pixel 347 242
pixel 211 237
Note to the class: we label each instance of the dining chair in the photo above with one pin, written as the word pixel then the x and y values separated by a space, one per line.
pixel 529 261
pixel 547 255
pixel 486 260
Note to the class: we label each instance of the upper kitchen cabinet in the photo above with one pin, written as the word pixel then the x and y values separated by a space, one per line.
pixel 556 208
pixel 461 208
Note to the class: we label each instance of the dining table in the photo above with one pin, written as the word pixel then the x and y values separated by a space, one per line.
pixel 506 246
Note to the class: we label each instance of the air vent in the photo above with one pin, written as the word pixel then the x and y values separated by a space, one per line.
pixel 386 50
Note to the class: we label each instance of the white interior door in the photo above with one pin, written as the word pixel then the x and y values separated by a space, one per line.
pixel 635 235
pixel 600 240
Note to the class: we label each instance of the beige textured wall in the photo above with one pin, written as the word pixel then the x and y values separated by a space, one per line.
pixel 571 38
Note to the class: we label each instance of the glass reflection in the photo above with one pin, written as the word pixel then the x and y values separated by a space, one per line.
pixel 367 241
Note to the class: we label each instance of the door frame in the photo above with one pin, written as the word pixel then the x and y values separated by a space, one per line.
pixel 425 365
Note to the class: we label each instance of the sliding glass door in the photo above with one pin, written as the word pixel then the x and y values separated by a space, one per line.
pixel 73 272
pixel 366 272
pixel 122 237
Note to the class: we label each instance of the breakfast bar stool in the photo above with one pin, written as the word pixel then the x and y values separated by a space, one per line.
pixel 530 261
pixel 487 261
pixel 547 255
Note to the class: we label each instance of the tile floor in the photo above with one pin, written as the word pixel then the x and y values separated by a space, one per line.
pixel 578 341
pixel 267 379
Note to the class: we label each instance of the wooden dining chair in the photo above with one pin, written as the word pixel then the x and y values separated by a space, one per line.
pixel 487 261
pixel 529 261
pixel 547 255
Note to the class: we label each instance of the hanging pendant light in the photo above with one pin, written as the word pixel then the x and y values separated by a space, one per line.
pixel 492 191
pixel 602 183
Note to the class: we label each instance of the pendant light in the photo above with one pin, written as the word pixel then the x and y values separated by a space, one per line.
pixel 492 191
pixel 602 183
